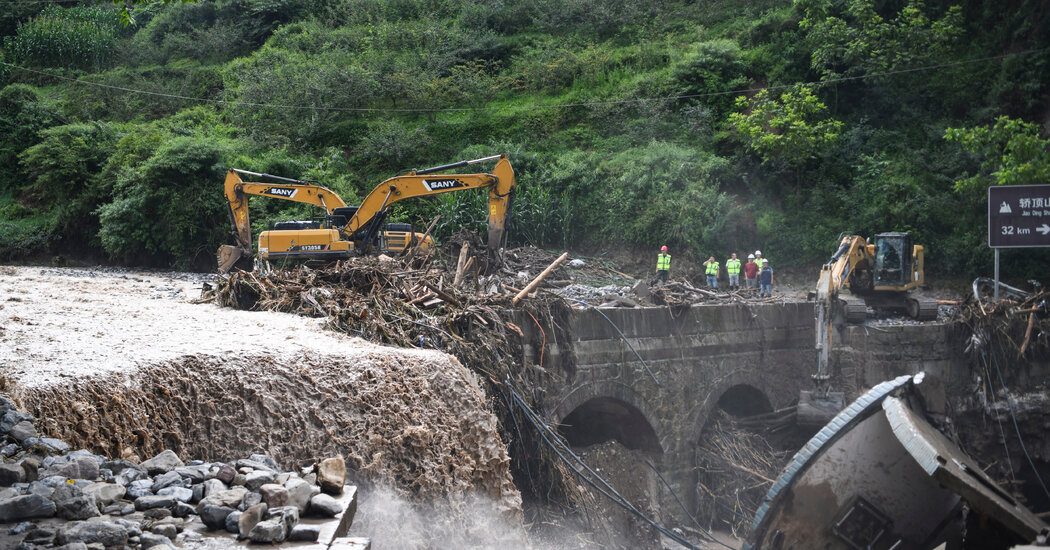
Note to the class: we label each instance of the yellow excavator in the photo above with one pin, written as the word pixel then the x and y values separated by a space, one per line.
pixel 350 230
pixel 878 275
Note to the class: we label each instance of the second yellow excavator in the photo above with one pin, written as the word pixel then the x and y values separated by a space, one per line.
pixel 361 229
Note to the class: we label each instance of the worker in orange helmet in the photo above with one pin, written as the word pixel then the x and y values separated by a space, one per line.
pixel 663 264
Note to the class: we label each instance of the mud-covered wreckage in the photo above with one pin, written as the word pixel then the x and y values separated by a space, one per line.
pixel 879 476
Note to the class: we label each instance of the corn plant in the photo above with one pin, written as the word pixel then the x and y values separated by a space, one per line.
pixel 81 37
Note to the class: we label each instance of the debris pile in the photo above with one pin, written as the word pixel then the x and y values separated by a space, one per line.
pixel 736 469
pixel 1018 325
pixel 58 497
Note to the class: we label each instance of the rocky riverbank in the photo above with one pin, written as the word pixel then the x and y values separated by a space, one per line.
pixel 54 497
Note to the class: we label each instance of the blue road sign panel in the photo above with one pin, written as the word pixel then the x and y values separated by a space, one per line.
pixel 1019 216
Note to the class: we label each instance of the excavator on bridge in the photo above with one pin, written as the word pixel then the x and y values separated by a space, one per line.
pixel 878 275
pixel 351 230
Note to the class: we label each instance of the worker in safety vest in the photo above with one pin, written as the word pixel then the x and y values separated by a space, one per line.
pixel 760 260
pixel 712 272
pixel 733 270
pixel 663 264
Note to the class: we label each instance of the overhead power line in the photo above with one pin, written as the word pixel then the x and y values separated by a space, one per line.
pixel 825 82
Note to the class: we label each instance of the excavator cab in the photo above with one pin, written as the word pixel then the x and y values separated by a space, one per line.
pixel 892 259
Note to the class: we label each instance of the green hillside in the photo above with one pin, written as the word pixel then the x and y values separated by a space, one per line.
pixel 707 126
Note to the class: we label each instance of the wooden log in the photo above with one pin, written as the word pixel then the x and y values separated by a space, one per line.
pixel 442 294
pixel 461 264
pixel 528 288
pixel 426 234
pixel 1028 332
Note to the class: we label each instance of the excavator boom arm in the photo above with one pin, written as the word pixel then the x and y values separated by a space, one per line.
pixel 237 191
pixel 500 183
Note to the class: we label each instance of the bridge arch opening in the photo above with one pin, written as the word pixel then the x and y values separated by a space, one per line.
pixel 743 400
pixel 603 418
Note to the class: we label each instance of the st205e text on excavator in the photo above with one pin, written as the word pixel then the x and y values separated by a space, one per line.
pixel 350 230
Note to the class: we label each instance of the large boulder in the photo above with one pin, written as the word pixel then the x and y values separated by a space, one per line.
pixel 91 532
pixel 331 475
pixel 163 463
pixel 26 507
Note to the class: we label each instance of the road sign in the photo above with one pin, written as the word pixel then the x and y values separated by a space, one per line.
pixel 1019 216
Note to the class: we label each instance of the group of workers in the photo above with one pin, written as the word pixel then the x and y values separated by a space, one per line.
pixel 757 271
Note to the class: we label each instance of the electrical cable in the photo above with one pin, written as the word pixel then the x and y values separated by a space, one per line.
pixel 740 91
pixel 682 506
pixel 543 430
pixel 1017 427
pixel 998 419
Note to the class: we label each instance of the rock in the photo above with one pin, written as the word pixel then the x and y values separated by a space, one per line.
pixel 250 499
pixel 6 404
pixel 11 418
pixel 20 528
pixel 271 531
pixel 257 479
pixel 274 495
pixel 79 468
pixel 305 533
pixel 140 488
pixel 168 530
pixel 26 507
pixel 22 431
pixel 180 494
pixel 106 493
pixel 232 521
pixel 11 474
pixel 248 464
pixel 249 519
pixel 150 502
pixel 215 516
pixel 39 488
pixel 269 462
pixel 31 467
pixel 77 508
pixel 119 465
pixel 225 474
pixel 39 535
pixel 230 497
pixel 211 487
pixel 55 445
pixel 11 492
pixel 325 506
pixel 127 476
pixel 163 463
pixel 89 532
pixel 299 493
pixel 289 515
pixel 193 473
pixel 74 546
pixel 331 475
pixel 153 540
pixel 166 480
pixel 9 450
pixel 182 510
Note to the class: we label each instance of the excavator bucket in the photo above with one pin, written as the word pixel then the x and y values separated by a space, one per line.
pixel 228 257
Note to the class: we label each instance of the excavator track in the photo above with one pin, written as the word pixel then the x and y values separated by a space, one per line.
pixel 922 310
pixel 856 311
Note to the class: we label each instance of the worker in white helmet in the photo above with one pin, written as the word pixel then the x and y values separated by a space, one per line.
pixel 760 260
pixel 751 272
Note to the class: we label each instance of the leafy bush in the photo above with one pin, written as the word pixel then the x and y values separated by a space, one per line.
pixel 169 209
pixel 22 116
pixel 63 173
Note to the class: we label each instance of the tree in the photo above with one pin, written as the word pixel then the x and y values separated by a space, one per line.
pixel 857 39
pixel 1011 152
pixel 787 131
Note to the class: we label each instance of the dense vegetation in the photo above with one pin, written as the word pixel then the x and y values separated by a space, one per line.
pixel 707 126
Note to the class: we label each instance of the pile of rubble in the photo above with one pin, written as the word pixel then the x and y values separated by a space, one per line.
pixel 79 500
